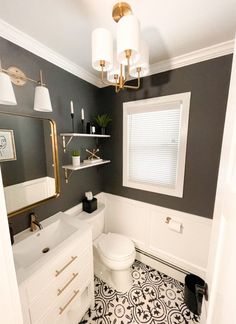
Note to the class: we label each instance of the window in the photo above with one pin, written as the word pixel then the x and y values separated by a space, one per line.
pixel 154 143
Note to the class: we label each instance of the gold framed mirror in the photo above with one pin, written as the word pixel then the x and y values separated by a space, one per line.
pixel 29 161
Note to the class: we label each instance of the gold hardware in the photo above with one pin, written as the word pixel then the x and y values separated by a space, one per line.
pixel 65 144
pixel 128 53
pixel 17 76
pixel 120 81
pixel 34 223
pixel 102 63
pixel 62 309
pixel 168 219
pixel 120 10
pixel 74 275
pixel 58 272
pixel 68 174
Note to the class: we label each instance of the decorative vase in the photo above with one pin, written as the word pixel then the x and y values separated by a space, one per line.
pixel 103 130
pixel 75 161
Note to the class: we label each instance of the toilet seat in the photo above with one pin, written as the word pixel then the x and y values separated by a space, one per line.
pixel 116 246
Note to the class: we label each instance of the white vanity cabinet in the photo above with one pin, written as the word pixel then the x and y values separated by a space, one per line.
pixel 62 290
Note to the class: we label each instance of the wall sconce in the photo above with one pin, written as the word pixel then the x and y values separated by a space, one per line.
pixel 7 95
pixel 42 101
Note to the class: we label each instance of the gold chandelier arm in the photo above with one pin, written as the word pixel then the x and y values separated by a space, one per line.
pixel 128 68
pixel 117 89
pixel 138 85
pixel 103 80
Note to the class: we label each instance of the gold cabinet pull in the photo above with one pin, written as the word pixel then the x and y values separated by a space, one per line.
pixel 74 275
pixel 62 309
pixel 62 269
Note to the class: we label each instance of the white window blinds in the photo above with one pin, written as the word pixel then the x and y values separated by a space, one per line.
pixel 154 143
pixel 153 146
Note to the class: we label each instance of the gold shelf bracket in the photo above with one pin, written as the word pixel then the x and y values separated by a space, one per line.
pixel 68 174
pixel 66 143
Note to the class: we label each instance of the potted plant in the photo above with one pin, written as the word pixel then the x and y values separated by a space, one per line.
pixel 75 158
pixel 103 121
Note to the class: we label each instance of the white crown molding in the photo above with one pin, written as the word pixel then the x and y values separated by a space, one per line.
pixel 204 54
pixel 25 41
pixel 21 39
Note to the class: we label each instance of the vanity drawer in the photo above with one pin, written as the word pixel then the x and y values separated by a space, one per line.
pixel 71 309
pixel 58 267
pixel 58 311
pixel 76 278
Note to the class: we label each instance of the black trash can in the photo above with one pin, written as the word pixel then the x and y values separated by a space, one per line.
pixel 193 293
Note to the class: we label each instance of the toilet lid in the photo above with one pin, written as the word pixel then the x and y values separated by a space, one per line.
pixel 116 246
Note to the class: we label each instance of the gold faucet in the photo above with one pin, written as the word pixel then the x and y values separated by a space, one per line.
pixel 34 223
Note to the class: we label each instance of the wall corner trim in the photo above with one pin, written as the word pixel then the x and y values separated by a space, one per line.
pixel 27 42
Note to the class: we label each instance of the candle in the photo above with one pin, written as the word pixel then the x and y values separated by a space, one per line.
pixel 71 107
pixel 93 129
pixel 82 114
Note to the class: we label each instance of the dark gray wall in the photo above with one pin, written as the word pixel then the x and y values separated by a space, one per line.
pixel 30 150
pixel 63 87
pixel 208 82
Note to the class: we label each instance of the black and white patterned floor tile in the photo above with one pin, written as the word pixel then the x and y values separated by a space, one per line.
pixel 154 298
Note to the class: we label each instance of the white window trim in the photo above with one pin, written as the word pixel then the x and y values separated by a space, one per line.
pixel 150 105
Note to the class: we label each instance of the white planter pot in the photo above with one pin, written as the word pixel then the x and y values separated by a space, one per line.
pixel 75 161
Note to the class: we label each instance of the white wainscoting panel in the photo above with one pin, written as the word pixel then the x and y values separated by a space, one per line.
pixel 128 217
pixel 145 225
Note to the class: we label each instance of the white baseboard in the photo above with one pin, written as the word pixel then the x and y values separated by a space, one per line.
pixel 161 266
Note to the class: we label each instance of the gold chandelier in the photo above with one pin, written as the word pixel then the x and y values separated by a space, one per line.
pixel 131 57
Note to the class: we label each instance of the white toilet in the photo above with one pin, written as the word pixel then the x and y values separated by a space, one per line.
pixel 113 253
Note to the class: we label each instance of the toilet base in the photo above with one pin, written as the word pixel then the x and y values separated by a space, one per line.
pixel 119 280
pixel 122 279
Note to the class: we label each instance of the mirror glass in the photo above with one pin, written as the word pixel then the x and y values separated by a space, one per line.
pixel 29 161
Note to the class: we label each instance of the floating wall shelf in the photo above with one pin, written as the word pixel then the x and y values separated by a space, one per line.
pixel 72 135
pixel 70 168
pixel 66 139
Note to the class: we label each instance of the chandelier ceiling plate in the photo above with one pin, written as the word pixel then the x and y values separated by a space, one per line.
pixel 121 9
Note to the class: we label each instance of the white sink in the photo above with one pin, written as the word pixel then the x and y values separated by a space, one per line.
pixel 32 250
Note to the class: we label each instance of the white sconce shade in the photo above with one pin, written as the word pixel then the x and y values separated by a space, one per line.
pixel 128 35
pixel 7 95
pixel 102 49
pixel 42 101
pixel 142 63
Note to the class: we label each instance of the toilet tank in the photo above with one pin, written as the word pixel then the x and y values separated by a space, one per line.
pixel 95 219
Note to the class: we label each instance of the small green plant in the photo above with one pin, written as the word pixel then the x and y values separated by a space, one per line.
pixel 103 120
pixel 75 153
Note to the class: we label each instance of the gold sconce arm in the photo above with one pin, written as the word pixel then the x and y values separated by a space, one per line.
pixel 19 78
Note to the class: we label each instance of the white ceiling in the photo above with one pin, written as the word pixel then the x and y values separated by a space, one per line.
pixel 170 27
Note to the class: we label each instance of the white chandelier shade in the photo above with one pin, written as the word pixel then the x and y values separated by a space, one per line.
pixel 7 95
pixel 128 38
pixel 142 63
pixel 102 49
